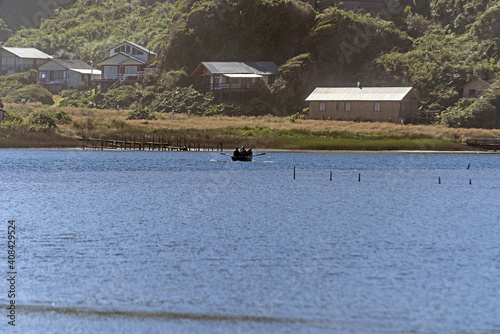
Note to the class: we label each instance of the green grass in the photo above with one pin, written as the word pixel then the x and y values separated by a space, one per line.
pixel 366 144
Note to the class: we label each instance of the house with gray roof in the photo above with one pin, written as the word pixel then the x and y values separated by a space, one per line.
pixel 127 63
pixel 59 74
pixel 377 104
pixel 228 80
pixel 15 60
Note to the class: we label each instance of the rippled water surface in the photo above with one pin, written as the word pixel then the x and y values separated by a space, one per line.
pixel 177 242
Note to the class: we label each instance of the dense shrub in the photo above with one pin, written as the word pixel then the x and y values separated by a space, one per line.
pixel 31 93
pixel 43 120
pixel 141 114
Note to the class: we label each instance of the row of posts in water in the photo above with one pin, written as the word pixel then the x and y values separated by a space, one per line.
pixel 359 176
pixel 158 142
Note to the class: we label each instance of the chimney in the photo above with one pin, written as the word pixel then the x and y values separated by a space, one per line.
pixel 359 85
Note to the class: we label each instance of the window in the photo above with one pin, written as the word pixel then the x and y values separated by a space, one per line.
pixel 347 106
pixel 338 106
pixel 136 52
pixel 322 106
pixel 376 106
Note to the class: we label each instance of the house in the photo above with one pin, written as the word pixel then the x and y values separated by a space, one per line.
pixel 59 74
pixel 127 62
pixel 378 104
pixel 15 60
pixel 228 80
pixel 475 88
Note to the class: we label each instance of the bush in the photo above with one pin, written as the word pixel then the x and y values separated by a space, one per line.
pixel 32 93
pixel 77 99
pixel 141 114
pixel 123 96
pixel 43 120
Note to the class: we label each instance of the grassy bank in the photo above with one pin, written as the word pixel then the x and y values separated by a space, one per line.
pixel 268 132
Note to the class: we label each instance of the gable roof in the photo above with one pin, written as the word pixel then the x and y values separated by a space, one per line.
pixel 360 94
pixel 128 57
pixel 30 53
pixel 73 64
pixel 137 46
pixel 259 68
pixel 480 80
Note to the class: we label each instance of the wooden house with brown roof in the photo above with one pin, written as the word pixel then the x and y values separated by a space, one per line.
pixel 377 104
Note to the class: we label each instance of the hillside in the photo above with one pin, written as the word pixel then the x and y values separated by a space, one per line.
pixel 435 46
pixel 29 13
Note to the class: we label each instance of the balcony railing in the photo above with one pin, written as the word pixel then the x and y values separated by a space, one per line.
pixel 122 77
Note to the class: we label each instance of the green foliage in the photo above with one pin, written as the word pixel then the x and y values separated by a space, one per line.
pixel 182 100
pixel 141 114
pixel 123 96
pixel 166 81
pixel 475 113
pixel 77 99
pixel 439 64
pixel 12 120
pixel 43 120
pixel 32 93
pixel 235 30
pixel 88 28
pixel 457 15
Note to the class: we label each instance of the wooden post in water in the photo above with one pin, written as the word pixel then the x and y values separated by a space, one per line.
pixel 331 174
pixel 359 177
pixel 294 172
pixel 439 180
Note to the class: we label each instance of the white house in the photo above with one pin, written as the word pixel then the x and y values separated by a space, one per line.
pixel 127 62
pixel 59 74
pixel 15 60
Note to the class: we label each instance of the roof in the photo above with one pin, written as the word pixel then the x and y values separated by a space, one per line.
pixel 73 64
pixel 260 68
pixel 134 45
pixel 30 53
pixel 77 66
pixel 481 80
pixel 359 94
pixel 129 57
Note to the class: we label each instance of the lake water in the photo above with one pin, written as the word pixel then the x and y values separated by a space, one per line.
pixel 178 242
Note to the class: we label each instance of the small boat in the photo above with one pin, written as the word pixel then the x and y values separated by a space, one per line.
pixel 242 157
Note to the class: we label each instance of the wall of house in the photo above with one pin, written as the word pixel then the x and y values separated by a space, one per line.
pixel 74 80
pixel 390 111
pixel 474 89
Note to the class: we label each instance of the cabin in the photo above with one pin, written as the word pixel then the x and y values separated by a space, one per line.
pixel 127 63
pixel 58 74
pixel 15 60
pixel 377 104
pixel 475 88
pixel 233 80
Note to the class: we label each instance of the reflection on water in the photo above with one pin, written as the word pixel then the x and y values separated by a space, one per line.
pixel 154 242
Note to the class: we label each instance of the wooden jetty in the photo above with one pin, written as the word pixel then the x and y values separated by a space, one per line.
pixel 485 143
pixel 151 143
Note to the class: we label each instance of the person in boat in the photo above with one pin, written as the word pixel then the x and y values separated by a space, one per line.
pixel 236 152
pixel 249 151
pixel 243 151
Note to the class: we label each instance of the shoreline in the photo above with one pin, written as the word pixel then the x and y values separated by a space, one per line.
pixel 258 150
